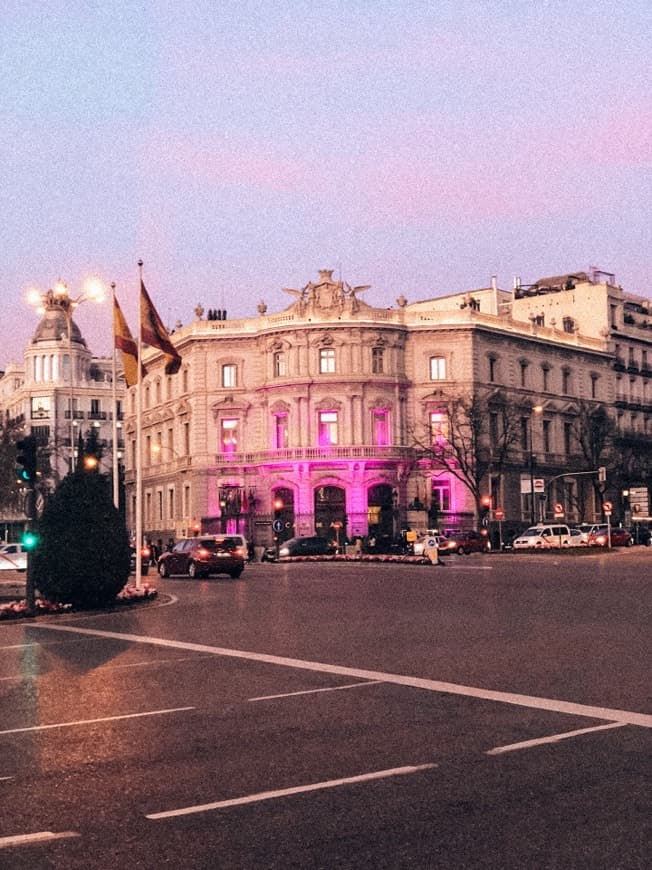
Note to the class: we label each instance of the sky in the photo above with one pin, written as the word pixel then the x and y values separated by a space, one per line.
pixel 237 147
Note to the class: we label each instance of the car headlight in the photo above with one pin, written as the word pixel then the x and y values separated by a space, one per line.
pixel 284 551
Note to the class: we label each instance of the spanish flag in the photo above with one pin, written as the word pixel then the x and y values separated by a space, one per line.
pixel 155 334
pixel 124 342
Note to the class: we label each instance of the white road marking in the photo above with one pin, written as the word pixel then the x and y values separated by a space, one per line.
pixel 553 738
pixel 25 839
pixel 314 691
pixel 284 792
pixel 644 720
pixel 5 778
pixel 94 721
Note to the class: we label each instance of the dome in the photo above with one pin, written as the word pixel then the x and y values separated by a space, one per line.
pixel 54 327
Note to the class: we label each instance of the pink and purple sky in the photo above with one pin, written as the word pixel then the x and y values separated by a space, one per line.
pixel 239 147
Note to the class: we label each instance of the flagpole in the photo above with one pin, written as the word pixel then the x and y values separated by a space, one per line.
pixel 139 435
pixel 114 401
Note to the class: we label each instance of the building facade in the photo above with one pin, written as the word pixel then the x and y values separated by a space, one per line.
pixel 343 419
pixel 59 393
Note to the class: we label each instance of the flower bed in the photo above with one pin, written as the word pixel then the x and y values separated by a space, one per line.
pixel 360 557
pixel 17 609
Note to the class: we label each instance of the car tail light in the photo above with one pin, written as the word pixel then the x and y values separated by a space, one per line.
pixel 601 539
pixel 240 551
pixel 203 553
pixel 145 552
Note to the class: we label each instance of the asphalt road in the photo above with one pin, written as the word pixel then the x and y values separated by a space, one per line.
pixel 495 713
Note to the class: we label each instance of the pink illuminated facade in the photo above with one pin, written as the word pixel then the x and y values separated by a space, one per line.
pixel 314 416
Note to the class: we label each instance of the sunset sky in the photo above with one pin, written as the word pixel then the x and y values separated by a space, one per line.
pixel 239 147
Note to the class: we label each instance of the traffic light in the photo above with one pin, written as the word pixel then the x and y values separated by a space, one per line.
pixel 278 507
pixel 30 540
pixel 485 508
pixel 26 459
pixel 91 462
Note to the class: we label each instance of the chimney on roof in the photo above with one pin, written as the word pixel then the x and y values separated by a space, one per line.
pixel 494 282
pixel 517 282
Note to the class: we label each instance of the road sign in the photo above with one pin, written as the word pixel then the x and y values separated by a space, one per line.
pixel 607 507
pixel 559 510
pixel 539 484
pixel 277 525
pixel 499 514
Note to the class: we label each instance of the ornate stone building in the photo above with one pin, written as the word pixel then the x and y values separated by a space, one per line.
pixel 336 417
pixel 60 392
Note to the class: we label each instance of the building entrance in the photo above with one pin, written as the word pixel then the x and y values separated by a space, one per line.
pixel 330 512
pixel 380 512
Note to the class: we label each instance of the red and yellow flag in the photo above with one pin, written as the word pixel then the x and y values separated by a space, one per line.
pixel 155 334
pixel 124 342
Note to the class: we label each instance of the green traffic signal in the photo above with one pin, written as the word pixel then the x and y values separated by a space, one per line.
pixel 26 458
pixel 29 540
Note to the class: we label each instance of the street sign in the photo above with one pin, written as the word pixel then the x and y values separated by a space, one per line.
pixel 607 507
pixel 499 514
pixel 539 484
pixel 262 522
pixel 277 525
pixel 559 511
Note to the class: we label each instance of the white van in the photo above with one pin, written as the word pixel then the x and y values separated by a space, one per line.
pixel 543 537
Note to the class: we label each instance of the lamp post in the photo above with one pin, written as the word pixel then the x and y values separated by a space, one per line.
pixel 59 298
pixel 537 409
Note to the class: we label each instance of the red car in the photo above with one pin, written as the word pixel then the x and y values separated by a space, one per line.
pixel 619 537
pixel 199 557
pixel 465 542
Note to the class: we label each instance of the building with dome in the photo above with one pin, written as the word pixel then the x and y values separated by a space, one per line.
pixel 60 392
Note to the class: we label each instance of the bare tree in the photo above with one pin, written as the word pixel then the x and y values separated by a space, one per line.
pixel 595 433
pixel 11 498
pixel 472 439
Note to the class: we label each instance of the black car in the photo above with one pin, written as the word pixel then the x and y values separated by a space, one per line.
pixel 306 546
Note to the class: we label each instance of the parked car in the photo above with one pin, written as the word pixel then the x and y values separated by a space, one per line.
pixel 13 557
pixel 465 542
pixel 145 560
pixel 201 556
pixel 306 546
pixel 619 537
pixel 587 529
pixel 543 537
pixel 576 538
pixel 419 545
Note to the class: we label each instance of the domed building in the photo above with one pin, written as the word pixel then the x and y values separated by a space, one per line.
pixel 61 391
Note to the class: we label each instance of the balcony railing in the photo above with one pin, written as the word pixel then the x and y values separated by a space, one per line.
pixel 317 454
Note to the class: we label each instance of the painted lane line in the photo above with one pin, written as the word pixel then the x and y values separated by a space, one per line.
pixel 299 789
pixel 152 662
pixel 644 720
pixel 94 721
pixel 315 691
pixel 41 836
pixel 553 738
pixel 5 778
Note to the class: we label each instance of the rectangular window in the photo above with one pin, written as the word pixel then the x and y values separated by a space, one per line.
pixel 547 428
pixel 524 374
pixel 327 428
pixel 437 368
pixel 159 505
pixel 171 503
pixel 565 381
pixel 186 438
pixel 186 500
pixel 568 438
pixel 229 436
pixel 441 495
pixel 380 427
pixel 492 369
pixel 377 360
pixel 327 361
pixel 228 376
pixel 594 386
pixel 438 428
pixel 95 408
pixel 545 371
pixel 493 428
pixel 281 431
pixel 280 367
pixel 525 433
